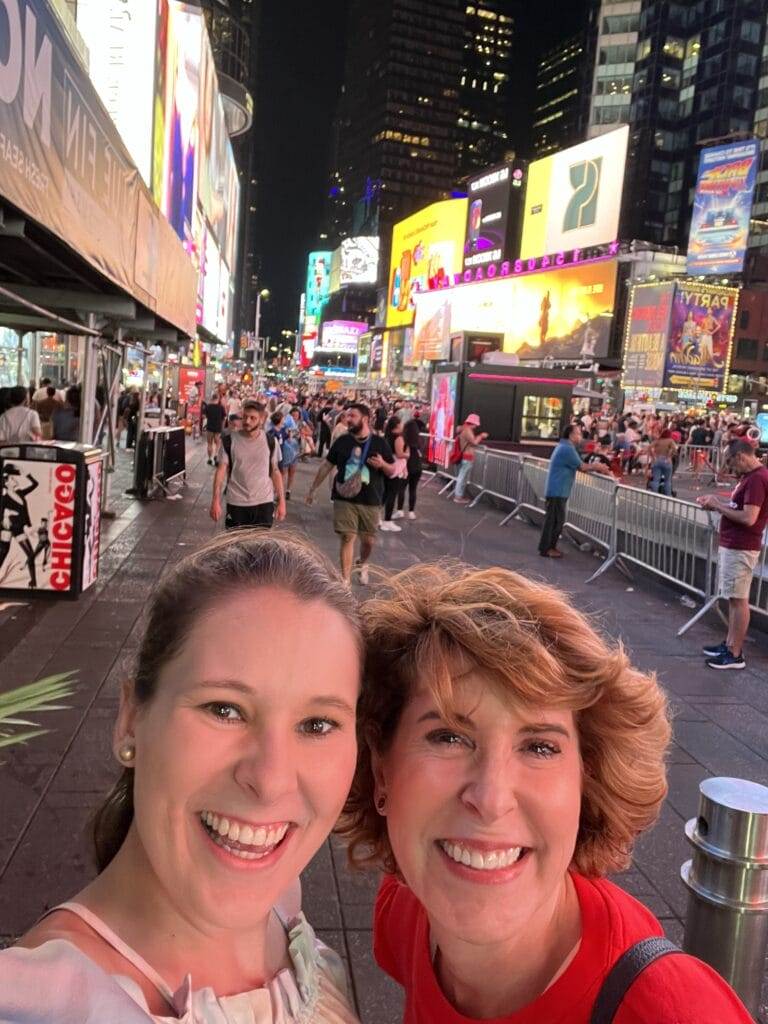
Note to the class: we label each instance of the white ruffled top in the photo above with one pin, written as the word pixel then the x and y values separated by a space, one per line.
pixel 56 983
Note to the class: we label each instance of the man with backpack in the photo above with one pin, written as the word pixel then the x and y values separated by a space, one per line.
pixel 249 461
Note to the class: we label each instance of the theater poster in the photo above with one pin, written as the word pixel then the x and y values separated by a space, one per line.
pixel 37 517
pixel 442 418
pixel 91 538
pixel 700 337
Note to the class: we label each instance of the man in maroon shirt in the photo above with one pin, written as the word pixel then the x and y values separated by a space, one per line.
pixel 742 524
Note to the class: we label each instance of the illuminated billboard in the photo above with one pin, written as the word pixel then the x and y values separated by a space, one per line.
pixel 564 314
pixel 573 199
pixel 318 282
pixel 488 217
pixel 120 36
pixel 442 417
pixel 722 208
pixel 645 347
pixel 359 260
pixel 426 253
pixel 700 336
pixel 341 335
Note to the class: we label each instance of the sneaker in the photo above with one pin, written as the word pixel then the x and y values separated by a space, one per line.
pixel 389 527
pixel 363 567
pixel 727 661
pixel 411 515
pixel 462 501
pixel 714 650
pixel 398 515
pixel 210 462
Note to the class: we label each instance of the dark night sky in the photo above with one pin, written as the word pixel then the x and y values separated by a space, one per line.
pixel 301 65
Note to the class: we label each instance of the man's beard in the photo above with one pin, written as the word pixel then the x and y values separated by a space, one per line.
pixel 357 429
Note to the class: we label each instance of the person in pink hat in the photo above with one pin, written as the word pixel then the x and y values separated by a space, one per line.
pixel 467 439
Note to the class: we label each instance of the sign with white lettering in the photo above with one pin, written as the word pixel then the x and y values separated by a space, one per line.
pixel 701 336
pixel 488 217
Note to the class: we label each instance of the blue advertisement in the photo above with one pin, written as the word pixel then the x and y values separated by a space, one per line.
pixel 722 208
pixel 318 283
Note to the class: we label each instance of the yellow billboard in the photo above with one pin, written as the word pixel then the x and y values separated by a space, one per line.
pixel 427 250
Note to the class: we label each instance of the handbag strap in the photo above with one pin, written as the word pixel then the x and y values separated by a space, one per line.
pixel 624 973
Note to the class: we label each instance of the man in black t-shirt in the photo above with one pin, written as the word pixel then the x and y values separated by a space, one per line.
pixel 214 413
pixel 359 451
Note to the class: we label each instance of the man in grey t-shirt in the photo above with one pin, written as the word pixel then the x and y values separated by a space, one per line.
pixel 251 463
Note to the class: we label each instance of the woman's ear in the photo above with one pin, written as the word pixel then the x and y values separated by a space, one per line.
pixel 123 732
pixel 379 778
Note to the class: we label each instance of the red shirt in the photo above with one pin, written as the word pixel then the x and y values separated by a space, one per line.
pixel 674 990
pixel 752 489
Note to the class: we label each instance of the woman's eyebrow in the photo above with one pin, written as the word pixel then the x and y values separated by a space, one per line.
pixel 324 700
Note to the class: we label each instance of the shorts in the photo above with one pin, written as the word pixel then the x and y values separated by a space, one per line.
pixel 351 518
pixel 213 434
pixel 735 570
pixel 245 516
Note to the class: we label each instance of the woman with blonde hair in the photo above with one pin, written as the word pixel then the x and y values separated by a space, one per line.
pixel 236 762
pixel 510 757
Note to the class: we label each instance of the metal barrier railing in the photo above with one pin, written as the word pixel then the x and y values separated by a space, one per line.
pixel 702 462
pixel 675 540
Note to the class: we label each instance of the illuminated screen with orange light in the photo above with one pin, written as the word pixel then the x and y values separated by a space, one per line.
pixel 565 313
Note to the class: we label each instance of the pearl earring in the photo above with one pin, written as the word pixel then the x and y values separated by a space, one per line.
pixel 127 753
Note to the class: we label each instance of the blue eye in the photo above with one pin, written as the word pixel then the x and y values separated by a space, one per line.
pixel 318 727
pixel 223 712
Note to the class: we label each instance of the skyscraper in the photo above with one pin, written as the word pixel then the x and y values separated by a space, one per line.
pixel 562 106
pixel 485 94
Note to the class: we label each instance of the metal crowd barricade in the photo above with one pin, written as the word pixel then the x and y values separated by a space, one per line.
pixel 671 538
pixel 699 461
pixel 499 477
pixel 591 509
pixel 533 485
pixel 759 597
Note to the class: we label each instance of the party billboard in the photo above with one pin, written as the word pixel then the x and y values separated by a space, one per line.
pixel 700 337
pixel 722 208
pixel 573 199
pixel 645 346
pixel 488 217
pixel 564 314
pixel 318 283
pixel 426 253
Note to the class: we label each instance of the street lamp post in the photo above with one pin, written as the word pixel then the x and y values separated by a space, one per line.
pixel 263 294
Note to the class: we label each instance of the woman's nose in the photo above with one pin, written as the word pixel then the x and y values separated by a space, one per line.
pixel 491 790
pixel 266 767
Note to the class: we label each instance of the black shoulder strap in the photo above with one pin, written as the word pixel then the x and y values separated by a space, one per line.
pixel 226 444
pixel 271 443
pixel 624 973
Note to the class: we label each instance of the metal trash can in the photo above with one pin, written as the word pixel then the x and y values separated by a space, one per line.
pixel 727 880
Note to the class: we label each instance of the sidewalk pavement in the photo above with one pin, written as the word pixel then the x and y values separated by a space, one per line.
pixel 49 788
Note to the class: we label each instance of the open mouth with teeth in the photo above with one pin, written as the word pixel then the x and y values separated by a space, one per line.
pixel 246 842
pixel 485 860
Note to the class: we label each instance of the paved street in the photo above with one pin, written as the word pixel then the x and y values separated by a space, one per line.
pixel 49 789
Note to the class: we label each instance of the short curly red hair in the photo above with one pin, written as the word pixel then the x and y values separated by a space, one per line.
pixel 433 622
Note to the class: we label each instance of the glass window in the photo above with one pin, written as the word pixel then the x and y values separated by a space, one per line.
pixel 541 417
pixel 746 64
pixel 716 34
pixel 675 48
pixel 747 348
pixel 750 31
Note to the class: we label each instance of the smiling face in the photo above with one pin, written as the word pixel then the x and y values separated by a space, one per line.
pixel 245 754
pixel 483 819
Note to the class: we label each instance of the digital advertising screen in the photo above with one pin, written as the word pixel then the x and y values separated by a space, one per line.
pixel 342 335
pixel 573 198
pixel 700 336
pixel 359 260
pixel 488 217
pixel 178 149
pixel 442 418
pixel 120 36
pixel 426 252
pixel 645 347
pixel 722 208
pixel 318 282
pixel 565 313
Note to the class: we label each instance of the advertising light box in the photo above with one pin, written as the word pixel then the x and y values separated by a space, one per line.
pixel 645 349
pixel 700 336
pixel 565 313
pixel 573 199
pixel 488 217
pixel 359 260
pixel 722 208
pixel 120 36
pixel 341 335
pixel 426 253
pixel 442 417
pixel 318 282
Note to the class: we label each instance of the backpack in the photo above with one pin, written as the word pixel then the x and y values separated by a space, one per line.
pixel 226 444
pixel 457 452
pixel 624 972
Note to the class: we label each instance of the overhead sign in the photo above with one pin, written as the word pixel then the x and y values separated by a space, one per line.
pixel 488 217
pixel 564 314
pixel 318 282
pixel 722 208
pixel 359 260
pixel 645 347
pixel 701 336
pixel 426 253
pixel 120 36
pixel 573 199
pixel 341 335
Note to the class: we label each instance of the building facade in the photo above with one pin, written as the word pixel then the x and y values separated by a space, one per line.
pixel 561 107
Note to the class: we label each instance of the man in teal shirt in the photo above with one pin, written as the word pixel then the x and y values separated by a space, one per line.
pixel 563 467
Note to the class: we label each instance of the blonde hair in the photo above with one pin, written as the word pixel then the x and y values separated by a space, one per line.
pixel 434 622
